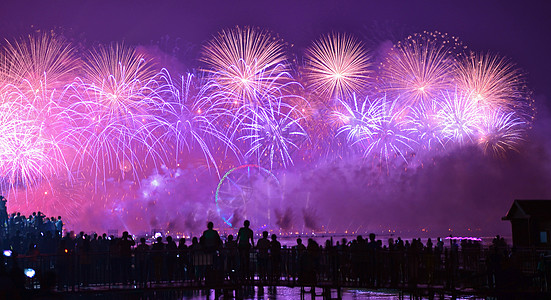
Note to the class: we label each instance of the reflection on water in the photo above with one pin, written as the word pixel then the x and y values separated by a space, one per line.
pixel 268 293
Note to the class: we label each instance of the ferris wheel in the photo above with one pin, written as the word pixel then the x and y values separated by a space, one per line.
pixel 248 192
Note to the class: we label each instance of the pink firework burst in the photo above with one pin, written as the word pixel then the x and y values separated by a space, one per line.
pixel 337 65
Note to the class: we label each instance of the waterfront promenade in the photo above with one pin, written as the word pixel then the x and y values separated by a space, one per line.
pixel 412 269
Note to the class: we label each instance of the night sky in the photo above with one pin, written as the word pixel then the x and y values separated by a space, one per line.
pixel 516 29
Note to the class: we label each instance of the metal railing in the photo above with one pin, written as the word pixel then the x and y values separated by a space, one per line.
pixel 475 270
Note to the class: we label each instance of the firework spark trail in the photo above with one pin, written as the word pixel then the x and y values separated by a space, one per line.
pixel 337 66
pixel 191 116
pixel 494 83
pixel 118 78
pixel 391 134
pixel 247 62
pixel 233 115
pixel 112 108
pixel 459 117
pixel 418 68
pixel 500 133
pixel 378 127
pixel 30 151
pixel 358 120
pixel 33 72
pixel 122 120
pixel 317 122
pixel 273 132
pixel 41 60
pixel 249 73
pixel 425 126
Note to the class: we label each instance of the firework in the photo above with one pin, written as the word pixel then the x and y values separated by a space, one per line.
pixel 119 123
pixel 317 123
pixel 419 68
pixel 246 62
pixel 494 83
pixel 357 119
pixel 273 133
pixel 459 117
pixel 31 71
pixel 40 60
pixel 112 112
pixel 191 115
pixel 29 153
pixel 119 80
pixel 425 126
pixel 378 127
pixel 500 133
pixel 391 136
pixel 337 66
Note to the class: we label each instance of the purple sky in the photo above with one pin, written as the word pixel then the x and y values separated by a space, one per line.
pixel 517 29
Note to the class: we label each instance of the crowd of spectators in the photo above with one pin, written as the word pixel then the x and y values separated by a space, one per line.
pixel 36 223
pixel 22 234
pixel 94 259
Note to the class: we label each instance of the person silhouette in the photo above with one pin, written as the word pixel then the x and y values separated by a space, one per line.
pixel 231 255
pixel 158 256
pixel 125 248
pixel 263 245
pixel 3 212
pixel 275 251
pixel 171 257
pixel 141 254
pixel 244 235
pixel 211 239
